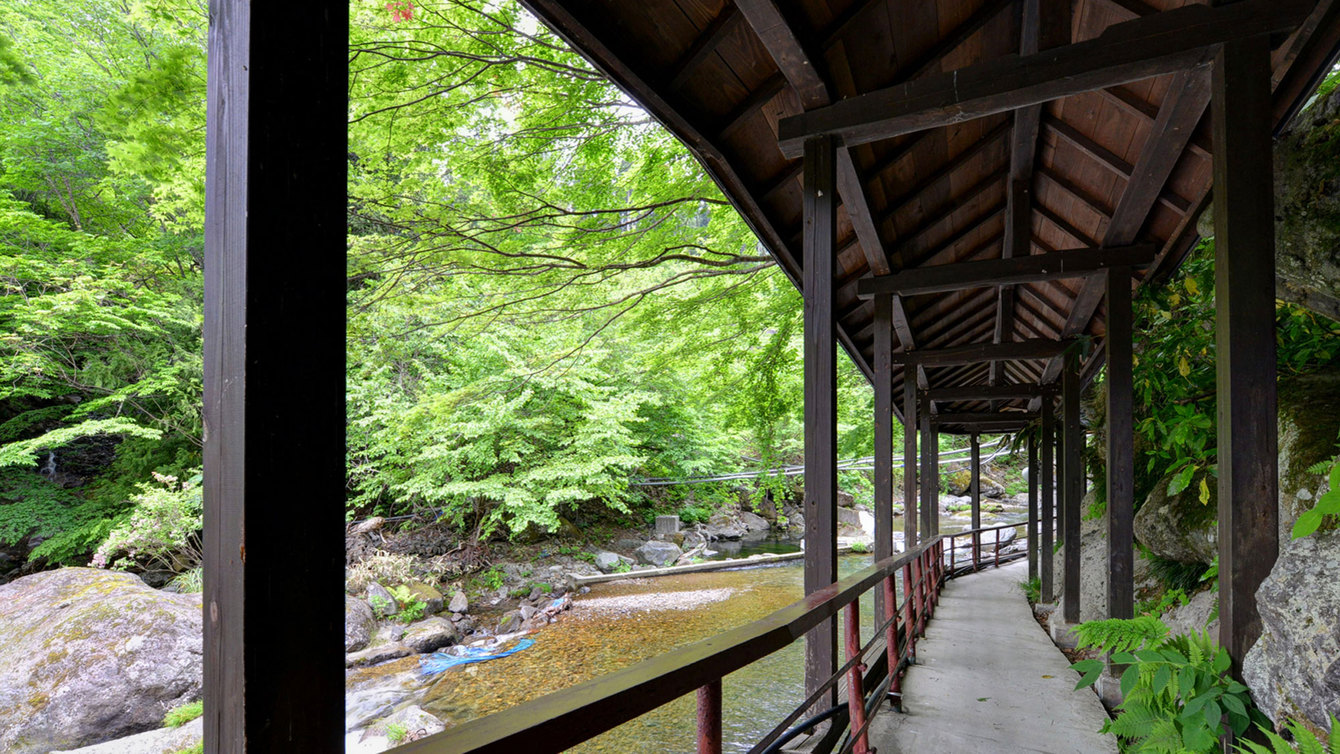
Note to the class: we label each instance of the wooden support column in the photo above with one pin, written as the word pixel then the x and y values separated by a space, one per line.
pixel 976 490
pixel 910 508
pixel 1033 529
pixel 274 378
pixel 1245 337
pixel 927 475
pixel 1046 538
pixel 883 368
pixel 1120 448
pixel 1073 483
pixel 820 212
pixel 933 484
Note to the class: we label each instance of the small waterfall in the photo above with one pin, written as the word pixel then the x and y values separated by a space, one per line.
pixel 49 468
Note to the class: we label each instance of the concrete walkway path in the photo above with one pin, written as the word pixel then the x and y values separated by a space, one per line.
pixel 988 680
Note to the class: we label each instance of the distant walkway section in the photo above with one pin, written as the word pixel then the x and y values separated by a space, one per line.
pixel 989 680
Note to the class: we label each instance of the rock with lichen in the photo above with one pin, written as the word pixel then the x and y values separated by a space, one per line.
pixel 88 656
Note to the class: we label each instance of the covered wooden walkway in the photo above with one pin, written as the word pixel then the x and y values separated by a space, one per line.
pixel 983 672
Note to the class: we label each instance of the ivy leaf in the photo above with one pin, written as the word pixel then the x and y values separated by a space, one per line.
pixel 1183 366
pixel 1204 492
pixel 1182 480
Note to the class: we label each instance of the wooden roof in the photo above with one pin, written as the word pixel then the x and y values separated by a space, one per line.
pixel 1129 164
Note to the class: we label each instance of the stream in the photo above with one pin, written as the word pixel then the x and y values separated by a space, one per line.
pixel 624 622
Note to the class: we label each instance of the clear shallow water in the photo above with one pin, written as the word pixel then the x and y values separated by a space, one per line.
pixel 590 641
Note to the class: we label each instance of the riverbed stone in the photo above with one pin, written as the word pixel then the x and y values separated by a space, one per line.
pixel 510 622
pixel 377 654
pixel 430 596
pixel 359 624
pixel 658 553
pixel 381 600
pixel 754 523
pixel 723 526
pixel 1293 670
pixel 608 562
pixel 430 634
pixel 459 602
pixel 88 655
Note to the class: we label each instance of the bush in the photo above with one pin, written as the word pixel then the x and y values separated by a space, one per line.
pixel 382 568
pixel 162 531
pixel 179 716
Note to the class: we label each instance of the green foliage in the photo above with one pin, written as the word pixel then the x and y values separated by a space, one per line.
pixel 1175 574
pixel 1166 601
pixel 1304 741
pixel 859 548
pixel 1326 505
pixel 162 531
pixel 198 748
pixel 409 607
pixel 179 716
pixel 396 733
pixel 1032 590
pixel 1176 689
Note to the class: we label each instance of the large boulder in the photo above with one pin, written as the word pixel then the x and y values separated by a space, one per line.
pixel 161 741
pixel 658 553
pixel 1307 209
pixel 88 655
pixel 1309 422
pixel 430 597
pixel 723 526
pixel 1093 565
pixel 1293 670
pixel 1180 527
pixel 609 562
pixel 754 524
pixel 431 634
pixel 358 624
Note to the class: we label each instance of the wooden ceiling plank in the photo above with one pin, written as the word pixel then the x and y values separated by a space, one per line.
pixel 1065 227
pixel 765 93
pixel 956 203
pixel 706 44
pixel 982 352
pixel 963 232
pixel 947 169
pixel 1164 42
pixel 1132 103
pixel 777 36
pixel 1006 271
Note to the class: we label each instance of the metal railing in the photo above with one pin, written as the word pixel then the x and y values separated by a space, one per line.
pixel 563 719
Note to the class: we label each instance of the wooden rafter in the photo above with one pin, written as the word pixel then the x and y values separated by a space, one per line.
pixel 1008 270
pixel 1164 42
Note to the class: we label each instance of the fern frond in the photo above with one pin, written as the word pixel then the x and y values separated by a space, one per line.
pixel 1122 635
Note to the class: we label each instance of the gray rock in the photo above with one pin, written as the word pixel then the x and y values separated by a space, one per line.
pixel 723 526
pixel 370 695
pixel 753 522
pixel 359 624
pixel 510 623
pixel 1293 670
pixel 431 597
pixel 693 539
pixel 665 525
pixel 1194 616
pixel 413 719
pixel 459 603
pixel 1309 420
pixel 608 562
pixel 388 633
pixel 1180 527
pixel 88 656
pixel 430 634
pixel 625 543
pixel 381 600
pixel 1307 211
pixel 161 741
pixel 849 516
pixel 527 612
pixel 658 553
pixel 377 654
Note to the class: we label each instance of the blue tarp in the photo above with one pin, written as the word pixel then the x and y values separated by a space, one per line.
pixel 440 661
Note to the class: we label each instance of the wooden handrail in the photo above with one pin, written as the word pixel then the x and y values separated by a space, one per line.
pixel 565 718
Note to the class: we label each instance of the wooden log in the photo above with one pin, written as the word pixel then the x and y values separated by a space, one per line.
pixel 974 353
pixel 1245 336
pixel 1046 513
pixel 1073 485
pixel 820 359
pixel 883 471
pixel 276 147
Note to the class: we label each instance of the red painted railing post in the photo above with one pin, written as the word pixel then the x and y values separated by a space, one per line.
pixel 919 590
pixel 909 600
pixel 855 692
pixel 709 718
pixel 891 631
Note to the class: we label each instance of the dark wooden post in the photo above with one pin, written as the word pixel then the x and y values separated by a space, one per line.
pixel 1245 351
pixel 927 475
pixel 910 510
pixel 1046 538
pixel 975 493
pixel 1120 448
pixel 1033 528
pixel 883 368
pixel 276 152
pixel 1072 486
pixel 820 195
pixel 934 482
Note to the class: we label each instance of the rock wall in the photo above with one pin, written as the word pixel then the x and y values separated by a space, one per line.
pixel 1307 209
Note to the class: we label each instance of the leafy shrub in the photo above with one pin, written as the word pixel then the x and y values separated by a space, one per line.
pixel 695 514
pixel 859 547
pixel 1176 688
pixel 1032 590
pixel 179 716
pixel 1175 574
pixel 162 531
pixel 383 568
pixel 188 582
pixel 1305 741
pixel 410 607
pixel 1327 505
pixel 396 733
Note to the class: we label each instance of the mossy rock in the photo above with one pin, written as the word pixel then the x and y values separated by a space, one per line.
pixel 1180 527
pixel 1309 425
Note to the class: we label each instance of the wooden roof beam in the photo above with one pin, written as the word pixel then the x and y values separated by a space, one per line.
pixel 1021 417
pixel 981 352
pixel 1137 106
pixel 1161 43
pixel 1107 159
pixel 1007 271
pixel 705 45
pixel 984 392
